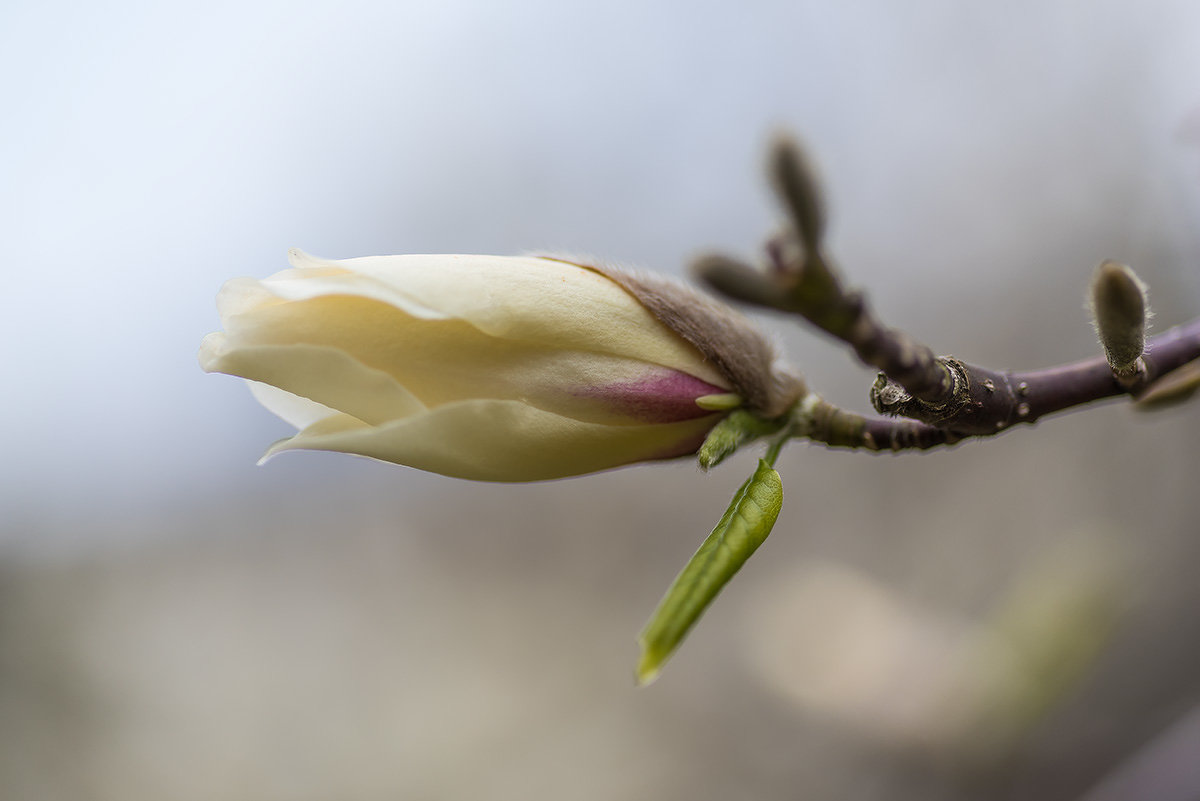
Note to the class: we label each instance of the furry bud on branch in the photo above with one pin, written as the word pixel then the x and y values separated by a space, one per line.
pixel 1120 312
pixel 799 191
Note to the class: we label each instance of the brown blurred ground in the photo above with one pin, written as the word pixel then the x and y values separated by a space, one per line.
pixel 476 642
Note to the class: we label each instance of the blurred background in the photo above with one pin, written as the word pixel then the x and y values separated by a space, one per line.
pixel 1013 618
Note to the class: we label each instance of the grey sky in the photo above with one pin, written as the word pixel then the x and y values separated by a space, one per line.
pixel 151 150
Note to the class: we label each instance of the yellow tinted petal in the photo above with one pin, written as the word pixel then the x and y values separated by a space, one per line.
pixel 488 440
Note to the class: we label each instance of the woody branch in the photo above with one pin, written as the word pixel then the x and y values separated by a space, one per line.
pixel 941 399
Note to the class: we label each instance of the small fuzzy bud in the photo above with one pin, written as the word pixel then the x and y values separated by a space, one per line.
pixel 1175 387
pixel 739 281
pixel 798 189
pixel 1120 312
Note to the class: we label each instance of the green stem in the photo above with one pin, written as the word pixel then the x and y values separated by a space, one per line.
pixel 773 451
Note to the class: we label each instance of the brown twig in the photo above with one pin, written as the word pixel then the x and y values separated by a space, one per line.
pixel 802 281
pixel 990 402
pixel 839 428
pixel 944 399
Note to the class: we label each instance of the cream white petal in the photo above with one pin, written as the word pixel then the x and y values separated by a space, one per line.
pixel 322 374
pixel 243 295
pixel 306 261
pixel 441 361
pixel 520 298
pixel 300 285
pixel 489 440
pixel 300 412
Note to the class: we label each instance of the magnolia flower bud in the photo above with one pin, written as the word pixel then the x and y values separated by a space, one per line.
pixel 491 368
